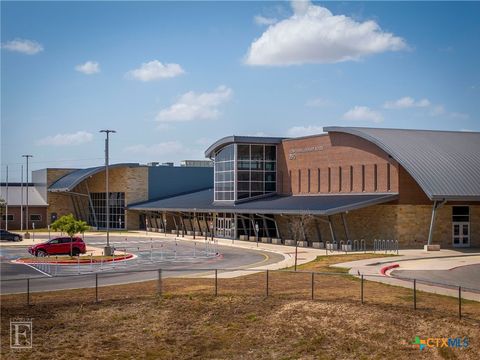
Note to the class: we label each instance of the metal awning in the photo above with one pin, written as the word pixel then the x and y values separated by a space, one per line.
pixel 202 201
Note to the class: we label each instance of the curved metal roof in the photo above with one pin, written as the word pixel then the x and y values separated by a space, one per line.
pixel 445 164
pixel 69 181
pixel 227 140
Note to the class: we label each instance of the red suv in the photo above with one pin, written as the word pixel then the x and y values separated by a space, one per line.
pixel 58 246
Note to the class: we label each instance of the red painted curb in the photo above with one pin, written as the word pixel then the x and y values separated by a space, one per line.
pixel 82 261
pixel 384 269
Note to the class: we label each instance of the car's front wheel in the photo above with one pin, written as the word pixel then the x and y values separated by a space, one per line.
pixel 16 238
pixel 41 253
pixel 75 252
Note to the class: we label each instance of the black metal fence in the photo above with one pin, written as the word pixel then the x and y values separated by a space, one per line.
pixel 271 279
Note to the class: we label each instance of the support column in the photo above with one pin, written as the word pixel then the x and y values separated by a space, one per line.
pixel 345 228
pixel 332 232
pixel 436 205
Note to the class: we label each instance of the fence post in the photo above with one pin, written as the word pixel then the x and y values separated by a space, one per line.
pixel 414 294
pixel 266 284
pixel 159 283
pixel 459 302
pixel 361 289
pixel 28 291
pixel 96 287
pixel 313 285
pixel 216 282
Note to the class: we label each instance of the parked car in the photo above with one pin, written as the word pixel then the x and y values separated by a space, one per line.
pixel 59 246
pixel 7 235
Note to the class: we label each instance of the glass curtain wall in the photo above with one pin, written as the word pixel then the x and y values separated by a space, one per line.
pixel 117 210
pixel 257 166
pixel 225 174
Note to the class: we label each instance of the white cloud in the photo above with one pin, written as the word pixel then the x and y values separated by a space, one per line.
pixel 314 35
pixel 192 106
pixel 160 149
pixel 297 131
pixel 29 47
pixel 405 103
pixel 319 102
pixel 155 70
pixel 459 115
pixel 80 137
pixel 360 113
pixel 89 68
pixel 262 20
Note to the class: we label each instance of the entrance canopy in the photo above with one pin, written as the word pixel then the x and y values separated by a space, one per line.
pixel 202 201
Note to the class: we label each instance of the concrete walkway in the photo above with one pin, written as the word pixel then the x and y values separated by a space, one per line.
pixel 417 260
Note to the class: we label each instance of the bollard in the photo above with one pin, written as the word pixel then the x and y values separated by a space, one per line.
pixel 313 285
pixel 78 263
pixel 28 291
pixel 216 282
pixel 266 284
pixel 91 262
pixel 159 284
pixel 194 249
pixel 414 294
pixel 361 291
pixel 151 252
pixel 96 287
pixel 459 302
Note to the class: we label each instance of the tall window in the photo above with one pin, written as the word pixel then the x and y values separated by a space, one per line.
pixel 308 171
pixel 339 178
pixel 351 178
pixel 389 185
pixel 116 202
pixel 329 180
pixel 225 174
pixel 363 177
pixel 256 170
pixel 318 180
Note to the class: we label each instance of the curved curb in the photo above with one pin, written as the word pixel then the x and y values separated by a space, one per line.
pixel 82 261
pixel 384 269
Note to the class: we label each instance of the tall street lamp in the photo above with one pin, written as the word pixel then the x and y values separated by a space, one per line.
pixel 27 157
pixel 108 251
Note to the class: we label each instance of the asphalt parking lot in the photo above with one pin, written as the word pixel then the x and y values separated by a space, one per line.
pixel 175 258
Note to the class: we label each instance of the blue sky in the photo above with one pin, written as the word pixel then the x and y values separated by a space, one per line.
pixel 172 77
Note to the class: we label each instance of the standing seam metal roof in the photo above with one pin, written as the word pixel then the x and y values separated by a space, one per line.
pixel 445 164
pixel 69 181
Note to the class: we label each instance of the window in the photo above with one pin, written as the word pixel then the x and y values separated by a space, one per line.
pixel 460 214
pixel 299 180
pixel 339 178
pixel 35 217
pixel 389 186
pixel 224 168
pixel 318 180
pixel 116 203
pixel 363 177
pixel 351 178
pixel 329 180
pixel 375 177
pixel 10 217
pixel 308 179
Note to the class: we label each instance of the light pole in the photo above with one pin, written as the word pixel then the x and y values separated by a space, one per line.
pixel 26 225
pixel 108 250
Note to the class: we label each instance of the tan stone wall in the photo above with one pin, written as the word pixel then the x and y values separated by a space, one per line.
pixel 409 224
pixel 133 181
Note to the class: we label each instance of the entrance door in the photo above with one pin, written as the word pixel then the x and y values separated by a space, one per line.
pixel 224 227
pixel 228 228
pixel 461 234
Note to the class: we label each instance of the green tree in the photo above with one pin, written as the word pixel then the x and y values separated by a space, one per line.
pixel 68 224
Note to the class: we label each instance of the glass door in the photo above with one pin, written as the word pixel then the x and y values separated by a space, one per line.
pixel 461 234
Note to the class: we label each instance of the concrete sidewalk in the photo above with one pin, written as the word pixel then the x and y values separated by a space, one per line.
pixel 417 260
